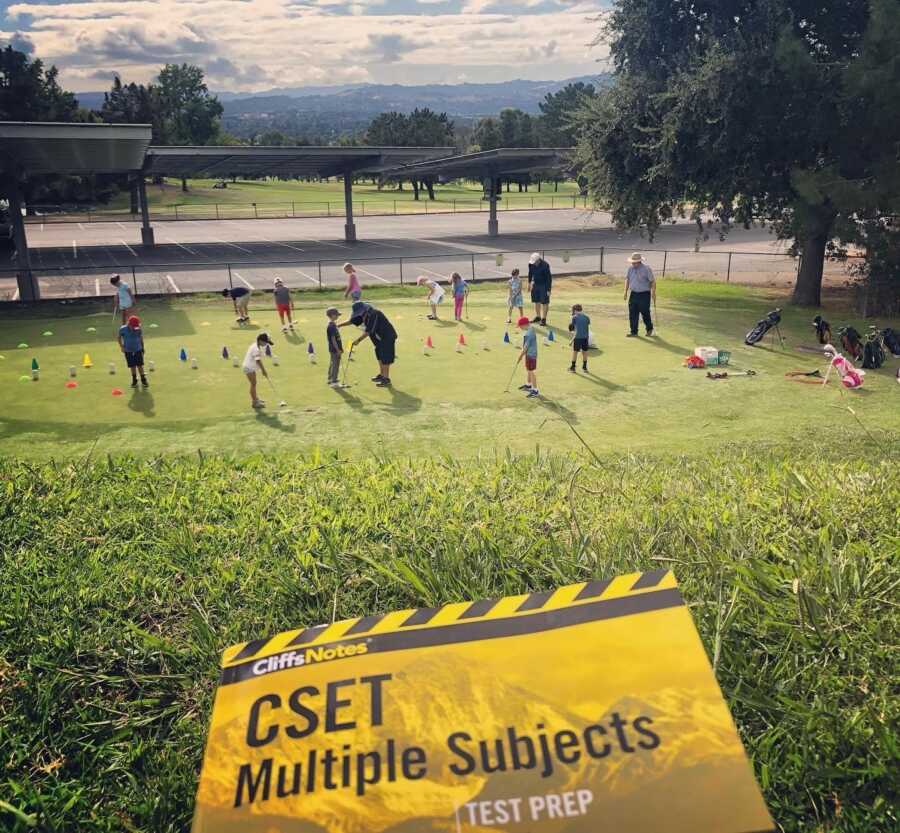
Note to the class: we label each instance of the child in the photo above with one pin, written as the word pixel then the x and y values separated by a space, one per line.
pixel 581 327
pixel 283 304
pixel 353 290
pixel 252 363
pixel 529 351
pixel 131 342
pixel 460 290
pixel 240 297
pixel 435 294
pixel 335 346
pixel 124 297
pixel 515 296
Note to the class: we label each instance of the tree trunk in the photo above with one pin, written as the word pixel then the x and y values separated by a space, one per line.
pixel 539 186
pixel 555 186
pixel 415 185
pixel 429 184
pixel 184 185
pixel 808 290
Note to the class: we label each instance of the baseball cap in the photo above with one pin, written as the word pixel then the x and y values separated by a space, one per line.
pixel 359 307
pixel 524 321
pixel 332 311
pixel 134 322
pixel 278 280
pixel 264 337
pixel 534 258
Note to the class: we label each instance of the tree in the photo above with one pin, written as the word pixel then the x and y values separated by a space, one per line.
pixel 728 109
pixel 134 104
pixel 487 135
pixel 557 125
pixel 28 93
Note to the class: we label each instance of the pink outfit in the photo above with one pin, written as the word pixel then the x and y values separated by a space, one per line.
pixel 458 305
pixel 354 283
pixel 850 376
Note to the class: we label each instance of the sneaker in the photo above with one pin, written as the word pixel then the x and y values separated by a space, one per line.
pixel 259 404
pixel 533 393
pixel 649 333
pixel 535 320
pixel 583 368
pixel 144 382
pixel 333 384
pixel 543 322
pixel 572 369
pixel 284 328
pixel 524 387
pixel 630 335
pixel 291 326
pixel 134 382
pixel 383 383
pixel 377 378
pixel 509 320
pixel 431 317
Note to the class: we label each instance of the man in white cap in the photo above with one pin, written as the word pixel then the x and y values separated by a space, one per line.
pixel 642 284
pixel 540 281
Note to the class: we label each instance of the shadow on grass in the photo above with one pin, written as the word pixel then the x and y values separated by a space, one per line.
pixel 471 325
pixel 142 402
pixel 603 383
pixel 404 402
pixel 558 409
pixel 659 341
pixel 271 420
pixel 353 401
pixel 293 338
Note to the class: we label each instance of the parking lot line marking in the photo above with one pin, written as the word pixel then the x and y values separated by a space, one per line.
pixel 189 251
pixel 173 284
pixel 365 272
pixel 329 243
pixel 128 247
pixel 121 226
pixel 234 246
pixel 97 287
pixel 308 277
pixel 387 245
pixel 75 250
pixel 246 283
pixel 81 226
pixel 436 274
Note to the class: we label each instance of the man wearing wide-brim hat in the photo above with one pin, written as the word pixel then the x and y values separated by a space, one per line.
pixel 642 285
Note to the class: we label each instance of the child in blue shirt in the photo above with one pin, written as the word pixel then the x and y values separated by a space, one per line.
pixel 581 327
pixel 460 290
pixel 131 342
pixel 529 351
pixel 124 298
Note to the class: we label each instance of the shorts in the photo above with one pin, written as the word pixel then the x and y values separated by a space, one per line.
pixel 385 350
pixel 516 300
pixel 135 359
pixel 356 294
pixel 436 299
pixel 243 303
pixel 540 294
pixel 283 308
pixel 250 373
pixel 531 362
pixel 580 345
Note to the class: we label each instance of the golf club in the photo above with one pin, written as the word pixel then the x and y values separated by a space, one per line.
pixel 513 374
pixel 282 403
pixel 655 316
pixel 347 368
pixel 115 310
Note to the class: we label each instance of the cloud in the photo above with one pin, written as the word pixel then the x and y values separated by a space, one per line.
pixel 18 41
pixel 249 45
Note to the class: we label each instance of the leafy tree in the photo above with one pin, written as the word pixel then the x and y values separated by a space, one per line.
pixel 133 104
pixel 557 125
pixel 29 93
pixel 487 135
pixel 735 109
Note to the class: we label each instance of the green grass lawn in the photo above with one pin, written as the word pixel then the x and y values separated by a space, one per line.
pixel 122 580
pixel 467 195
pixel 638 396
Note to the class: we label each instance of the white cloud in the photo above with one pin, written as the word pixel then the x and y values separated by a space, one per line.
pixel 257 44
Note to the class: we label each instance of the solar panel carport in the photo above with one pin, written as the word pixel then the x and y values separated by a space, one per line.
pixel 489 166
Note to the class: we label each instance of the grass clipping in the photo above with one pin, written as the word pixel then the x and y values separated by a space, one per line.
pixel 122 581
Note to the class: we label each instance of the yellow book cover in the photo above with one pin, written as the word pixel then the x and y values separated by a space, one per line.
pixel 584 709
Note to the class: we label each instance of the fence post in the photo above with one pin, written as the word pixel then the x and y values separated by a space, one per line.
pixel 328 208
pixel 454 206
pixel 473 268
pixel 176 212
pixel 255 212
pixel 426 205
pixel 230 281
pixel 532 202
pixel 401 271
pixel 665 258
pixel 134 281
pixel 602 252
pixel 363 209
pixel 217 211
pixel 728 277
pixel 293 209
pixel 319 262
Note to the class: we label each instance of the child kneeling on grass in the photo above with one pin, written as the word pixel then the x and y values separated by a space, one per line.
pixel 252 363
pixel 529 351
pixel 131 342
pixel 581 327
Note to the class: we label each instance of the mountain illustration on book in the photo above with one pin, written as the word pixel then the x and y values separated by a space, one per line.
pixel 696 743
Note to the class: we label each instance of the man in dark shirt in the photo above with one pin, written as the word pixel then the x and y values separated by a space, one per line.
pixel 540 282
pixel 240 297
pixel 377 327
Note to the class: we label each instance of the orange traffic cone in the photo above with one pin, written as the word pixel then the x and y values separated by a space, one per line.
pixel 462 339
pixel 429 343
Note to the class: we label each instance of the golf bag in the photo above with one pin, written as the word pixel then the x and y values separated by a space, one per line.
pixel 823 330
pixel 873 351
pixel 851 343
pixel 891 340
pixel 757 334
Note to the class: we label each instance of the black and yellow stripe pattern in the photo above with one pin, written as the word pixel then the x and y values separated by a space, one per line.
pixel 471 621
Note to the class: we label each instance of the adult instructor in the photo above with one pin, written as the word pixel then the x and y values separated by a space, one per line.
pixel 540 282
pixel 642 284
pixel 375 326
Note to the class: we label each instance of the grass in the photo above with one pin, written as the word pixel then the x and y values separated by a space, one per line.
pixel 638 396
pixel 123 579
pixel 315 194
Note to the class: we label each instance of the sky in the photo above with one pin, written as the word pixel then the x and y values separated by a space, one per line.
pixel 250 45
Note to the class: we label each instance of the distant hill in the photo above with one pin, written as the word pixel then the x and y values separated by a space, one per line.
pixel 327 112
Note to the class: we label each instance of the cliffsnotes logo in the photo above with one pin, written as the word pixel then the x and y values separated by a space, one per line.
pixel 308 656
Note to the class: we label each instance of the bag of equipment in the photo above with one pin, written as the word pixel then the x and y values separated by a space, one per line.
pixel 823 330
pixel 851 342
pixel 873 353
pixel 762 327
pixel 891 340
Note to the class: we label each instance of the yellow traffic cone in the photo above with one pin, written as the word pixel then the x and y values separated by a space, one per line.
pixel 86 361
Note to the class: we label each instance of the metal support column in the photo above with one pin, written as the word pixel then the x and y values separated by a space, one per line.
pixel 493 226
pixel 27 282
pixel 349 226
pixel 146 230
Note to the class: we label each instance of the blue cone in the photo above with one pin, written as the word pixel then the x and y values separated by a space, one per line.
pixel 550 336
pixel 224 352
pixel 183 355
pixel 310 348
pixel 506 338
